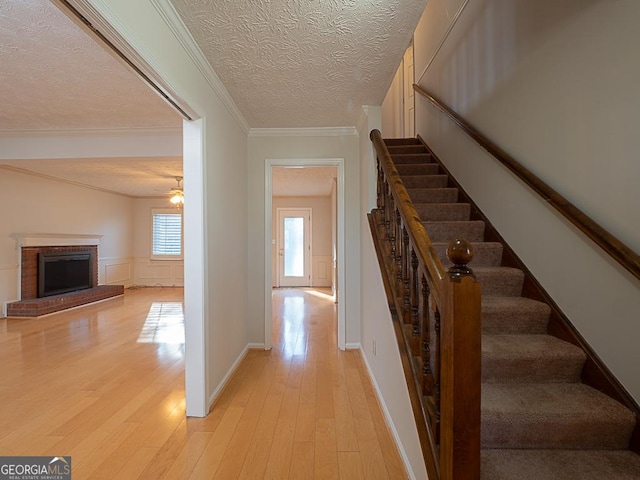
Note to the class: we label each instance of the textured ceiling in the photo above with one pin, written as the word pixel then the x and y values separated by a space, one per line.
pixel 286 63
pixel 302 63
pixel 302 182
pixel 54 76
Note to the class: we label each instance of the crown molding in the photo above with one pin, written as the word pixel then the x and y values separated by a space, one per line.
pixel 177 26
pixel 106 28
pixel 61 180
pixel 95 132
pixel 304 132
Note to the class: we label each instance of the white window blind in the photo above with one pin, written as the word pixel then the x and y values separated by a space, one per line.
pixel 166 235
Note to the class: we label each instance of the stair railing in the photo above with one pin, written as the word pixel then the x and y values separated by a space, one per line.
pixel 437 321
pixel 624 255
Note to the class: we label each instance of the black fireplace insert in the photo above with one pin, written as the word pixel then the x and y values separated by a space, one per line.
pixel 64 272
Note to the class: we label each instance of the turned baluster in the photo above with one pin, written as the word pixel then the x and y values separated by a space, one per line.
pixel 415 297
pixel 427 377
pixel 398 257
pixel 406 288
pixel 380 187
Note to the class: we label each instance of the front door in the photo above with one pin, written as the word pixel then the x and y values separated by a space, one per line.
pixel 294 247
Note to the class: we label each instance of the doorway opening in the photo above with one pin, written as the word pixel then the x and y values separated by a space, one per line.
pixel 304 231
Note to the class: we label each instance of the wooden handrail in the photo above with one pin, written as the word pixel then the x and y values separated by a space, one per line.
pixel 626 257
pixel 425 251
pixel 437 321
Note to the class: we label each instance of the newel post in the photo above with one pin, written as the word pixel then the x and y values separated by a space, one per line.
pixel 461 362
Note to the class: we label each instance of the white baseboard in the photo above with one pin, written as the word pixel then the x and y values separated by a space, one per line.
pixel 214 395
pixel 389 420
pixel 255 346
pixel 353 346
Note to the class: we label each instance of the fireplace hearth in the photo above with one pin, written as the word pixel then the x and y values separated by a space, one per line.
pixel 55 278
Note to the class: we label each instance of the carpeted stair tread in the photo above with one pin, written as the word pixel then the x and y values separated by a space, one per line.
pixel 504 281
pixel 530 358
pixel 514 315
pixel 440 212
pixel 470 230
pixel 433 195
pixel 485 254
pixel 552 415
pixel 560 465
pixel 425 181
pixel 418 169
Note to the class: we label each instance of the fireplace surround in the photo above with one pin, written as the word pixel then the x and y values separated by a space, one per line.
pixel 39 296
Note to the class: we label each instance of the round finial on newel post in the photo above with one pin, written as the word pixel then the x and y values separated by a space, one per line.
pixel 460 253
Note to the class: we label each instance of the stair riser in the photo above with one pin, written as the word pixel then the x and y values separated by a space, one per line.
pixel 472 231
pixel 390 142
pixel 505 282
pixel 558 415
pixel 412 158
pixel 418 169
pixel 496 369
pixel 511 316
pixel 403 149
pixel 425 181
pixel 442 212
pixel 433 195
pixel 546 433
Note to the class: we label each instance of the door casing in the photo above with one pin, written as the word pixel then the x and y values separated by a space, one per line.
pixel 268 245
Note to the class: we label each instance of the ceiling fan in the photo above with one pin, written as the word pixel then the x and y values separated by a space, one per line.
pixel 176 194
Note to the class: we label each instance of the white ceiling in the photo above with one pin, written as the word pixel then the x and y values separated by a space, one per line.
pixel 55 77
pixel 303 63
pixel 286 63
pixel 300 182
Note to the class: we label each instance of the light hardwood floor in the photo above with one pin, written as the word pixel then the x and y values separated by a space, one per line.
pixel 105 385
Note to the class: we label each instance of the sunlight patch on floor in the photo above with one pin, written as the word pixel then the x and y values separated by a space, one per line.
pixel 164 324
pixel 319 294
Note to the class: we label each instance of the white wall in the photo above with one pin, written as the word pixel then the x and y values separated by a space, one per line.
pixel 383 361
pixel 556 85
pixel 392 107
pixel 320 235
pixel 34 204
pixel 262 148
pixel 146 271
pixel 216 169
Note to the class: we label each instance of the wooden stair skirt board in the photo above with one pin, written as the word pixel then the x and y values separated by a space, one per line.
pixel 539 420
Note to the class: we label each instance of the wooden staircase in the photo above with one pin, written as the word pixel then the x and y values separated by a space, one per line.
pixel 543 414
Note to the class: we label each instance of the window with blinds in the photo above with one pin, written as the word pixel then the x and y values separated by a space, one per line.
pixel 166 235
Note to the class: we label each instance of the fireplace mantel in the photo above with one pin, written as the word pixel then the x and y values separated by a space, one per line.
pixel 54 239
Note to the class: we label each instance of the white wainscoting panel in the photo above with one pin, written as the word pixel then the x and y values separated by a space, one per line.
pixel 321 270
pixel 159 272
pixel 115 271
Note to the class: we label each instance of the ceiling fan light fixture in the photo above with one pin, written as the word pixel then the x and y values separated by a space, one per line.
pixel 176 194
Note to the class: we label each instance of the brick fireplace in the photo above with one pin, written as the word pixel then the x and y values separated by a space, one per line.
pixel 33 249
